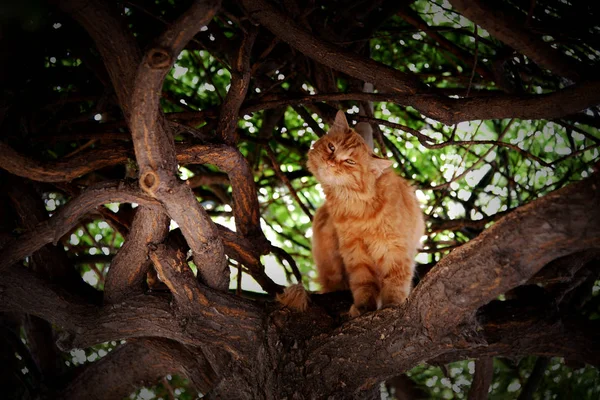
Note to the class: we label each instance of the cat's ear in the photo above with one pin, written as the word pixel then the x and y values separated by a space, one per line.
pixel 378 165
pixel 341 123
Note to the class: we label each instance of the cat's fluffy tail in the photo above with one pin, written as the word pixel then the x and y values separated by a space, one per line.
pixel 294 297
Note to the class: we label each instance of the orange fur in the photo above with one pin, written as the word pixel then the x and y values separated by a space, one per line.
pixel 294 297
pixel 367 232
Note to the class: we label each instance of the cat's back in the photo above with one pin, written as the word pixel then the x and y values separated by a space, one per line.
pixel 400 206
pixel 397 190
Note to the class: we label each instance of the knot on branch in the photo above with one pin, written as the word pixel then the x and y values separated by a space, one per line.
pixel 65 341
pixel 149 182
pixel 159 58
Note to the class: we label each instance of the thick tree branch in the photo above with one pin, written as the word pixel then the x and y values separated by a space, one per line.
pixel 503 257
pixel 245 201
pixel 287 29
pixel 67 218
pixel 484 372
pixel 114 41
pixel 173 270
pixel 127 273
pixel 63 170
pixel 140 361
pixel 507 26
pixel 155 150
pixel 564 102
pixel 220 320
pixel 236 246
pixel 240 81
pixel 508 254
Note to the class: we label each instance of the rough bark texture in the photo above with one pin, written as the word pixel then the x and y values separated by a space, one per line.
pixel 312 355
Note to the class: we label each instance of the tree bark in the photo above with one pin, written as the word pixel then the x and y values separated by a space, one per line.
pixel 272 352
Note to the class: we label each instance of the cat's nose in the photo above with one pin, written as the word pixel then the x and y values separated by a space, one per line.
pixel 330 163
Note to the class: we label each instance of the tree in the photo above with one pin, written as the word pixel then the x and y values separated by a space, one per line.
pixel 149 149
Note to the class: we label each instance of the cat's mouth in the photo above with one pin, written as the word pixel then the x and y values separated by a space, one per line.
pixel 329 175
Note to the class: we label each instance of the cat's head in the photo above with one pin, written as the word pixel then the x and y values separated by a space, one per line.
pixel 342 158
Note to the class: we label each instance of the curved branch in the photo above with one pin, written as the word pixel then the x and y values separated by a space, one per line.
pixel 114 41
pixel 220 320
pixel 562 103
pixel 236 246
pixel 128 268
pixel 155 150
pixel 508 254
pixel 287 29
pixel 441 311
pixel 67 218
pixel 154 147
pixel 173 270
pixel 63 170
pixel 245 201
pixel 506 26
pixel 240 81
pixel 144 360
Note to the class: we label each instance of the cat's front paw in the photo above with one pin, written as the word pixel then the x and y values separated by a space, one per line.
pixel 356 311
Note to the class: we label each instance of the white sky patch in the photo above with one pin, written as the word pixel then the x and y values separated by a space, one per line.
pixel 514 386
pixel 114 207
pixel 90 277
pixel 272 268
pixel 422 258
pixel 179 71
pixel 422 197
pixel 74 240
pixel 146 394
pixel 473 177
pixel 78 356
pixel 173 225
pixel 309 233
pixel 492 207
pixel 455 210
pixel 185 173
pixel 228 222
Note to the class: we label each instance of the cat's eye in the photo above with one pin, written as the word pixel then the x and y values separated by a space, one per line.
pixel 351 162
pixel 331 147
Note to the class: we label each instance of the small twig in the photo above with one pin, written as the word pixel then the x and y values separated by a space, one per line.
pixel 476 55
pixel 207 73
pixel 286 181
pixel 309 120
pixel 81 148
pixel 283 255
pixel 484 372
pixel 169 388
pixel 238 289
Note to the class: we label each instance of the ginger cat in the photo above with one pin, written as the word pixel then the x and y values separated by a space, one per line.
pixel 368 231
